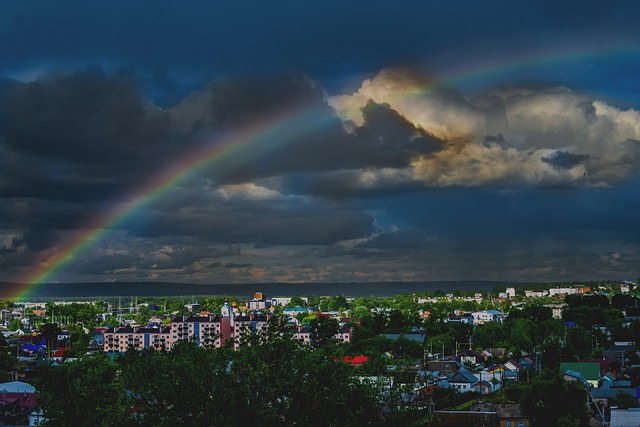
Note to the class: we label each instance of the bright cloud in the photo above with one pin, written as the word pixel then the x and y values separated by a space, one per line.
pixel 520 137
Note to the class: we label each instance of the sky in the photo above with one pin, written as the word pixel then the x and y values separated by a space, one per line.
pixel 359 141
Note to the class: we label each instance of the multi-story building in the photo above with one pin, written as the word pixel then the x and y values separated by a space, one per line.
pixel 484 316
pixel 211 330
pixel 244 325
pixel 568 291
pixel 119 339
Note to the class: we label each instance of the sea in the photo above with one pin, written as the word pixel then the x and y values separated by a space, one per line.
pixel 166 289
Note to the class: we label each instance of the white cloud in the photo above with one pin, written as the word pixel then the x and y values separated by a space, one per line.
pixel 504 137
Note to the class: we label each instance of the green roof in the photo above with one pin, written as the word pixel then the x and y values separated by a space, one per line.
pixel 589 370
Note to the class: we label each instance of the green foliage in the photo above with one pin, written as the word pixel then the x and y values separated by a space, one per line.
pixel 73 313
pixel 83 393
pixel 624 401
pixel 271 380
pixel 15 324
pixel 296 302
pixel 323 330
pixel 7 359
pixel 550 400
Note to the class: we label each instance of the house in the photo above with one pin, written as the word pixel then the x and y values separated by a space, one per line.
pixel 465 318
pixel 482 387
pixel 355 360
pixel 570 375
pixel 463 381
pixel 17 400
pixel 607 396
pixel 620 352
pixel 470 356
pixel 508 414
pixel 446 367
pixel 625 417
pixel 589 370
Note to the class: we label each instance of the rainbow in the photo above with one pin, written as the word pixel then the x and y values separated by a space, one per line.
pixel 226 153
pixel 491 68
pixel 258 140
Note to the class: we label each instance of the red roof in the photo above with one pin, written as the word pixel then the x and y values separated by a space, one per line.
pixel 355 360
pixel 60 352
pixel 24 400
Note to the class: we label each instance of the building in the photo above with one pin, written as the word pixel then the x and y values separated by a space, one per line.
pixel 211 330
pixel 568 291
pixel 625 417
pixel 119 339
pixel 484 316
pixel 535 293
pixel 246 325
pixel 259 302
pixel 465 318
pixel 590 371
pixel 556 309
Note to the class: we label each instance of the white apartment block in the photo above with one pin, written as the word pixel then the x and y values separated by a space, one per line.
pixel 567 291
pixel 484 316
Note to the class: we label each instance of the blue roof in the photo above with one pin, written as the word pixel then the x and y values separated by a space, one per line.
pixel 578 376
pixel 464 376
pixel 610 393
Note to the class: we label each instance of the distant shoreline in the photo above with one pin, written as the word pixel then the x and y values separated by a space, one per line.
pixel 160 289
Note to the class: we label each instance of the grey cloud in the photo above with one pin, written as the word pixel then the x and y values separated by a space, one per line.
pixel 107 263
pixel 237 265
pixel 405 239
pixel 38 240
pixel 314 225
pixel 565 160
pixel 87 117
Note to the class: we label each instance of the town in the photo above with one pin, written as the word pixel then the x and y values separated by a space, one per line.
pixel 555 355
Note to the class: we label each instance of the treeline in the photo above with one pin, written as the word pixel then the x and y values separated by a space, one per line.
pixel 272 380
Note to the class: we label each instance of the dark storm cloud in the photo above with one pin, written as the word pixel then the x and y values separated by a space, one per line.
pixel 396 139
pixel 38 240
pixel 87 117
pixel 70 144
pixel 236 265
pixel 565 160
pixel 386 139
pixel 404 239
pixel 80 136
pixel 107 264
pixel 265 227
pixel 12 248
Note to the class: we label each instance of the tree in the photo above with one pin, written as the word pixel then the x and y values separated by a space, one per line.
pixel 50 332
pixel 296 302
pixel 550 400
pixel 281 382
pixel 323 330
pixel 15 324
pixel 176 388
pixel 624 401
pixel 83 393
